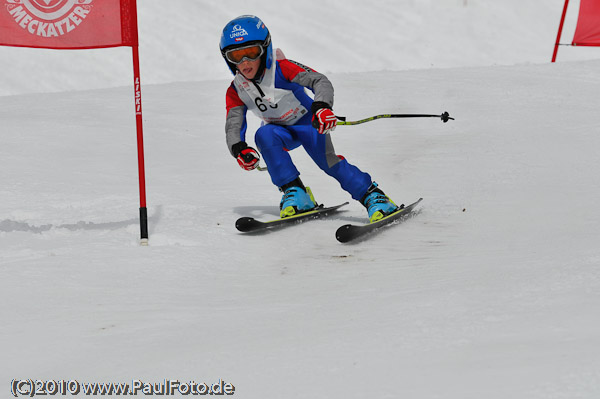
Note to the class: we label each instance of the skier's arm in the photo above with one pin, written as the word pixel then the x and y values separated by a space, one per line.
pixel 308 77
pixel 235 122
pixel 324 119
pixel 235 132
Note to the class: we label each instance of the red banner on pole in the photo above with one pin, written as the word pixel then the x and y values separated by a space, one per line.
pixel 68 24
pixel 80 24
pixel 587 32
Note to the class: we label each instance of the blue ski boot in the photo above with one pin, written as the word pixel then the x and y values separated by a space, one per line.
pixel 377 203
pixel 296 199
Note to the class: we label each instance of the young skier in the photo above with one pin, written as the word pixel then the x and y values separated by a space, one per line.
pixel 273 89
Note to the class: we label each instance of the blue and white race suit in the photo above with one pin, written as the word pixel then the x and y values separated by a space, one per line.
pixel 280 100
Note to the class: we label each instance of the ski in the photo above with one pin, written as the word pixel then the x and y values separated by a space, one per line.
pixel 351 232
pixel 250 225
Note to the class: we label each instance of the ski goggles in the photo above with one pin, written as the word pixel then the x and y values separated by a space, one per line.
pixel 238 55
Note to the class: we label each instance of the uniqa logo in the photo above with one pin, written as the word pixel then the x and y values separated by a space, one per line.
pixel 238 31
pixel 49 18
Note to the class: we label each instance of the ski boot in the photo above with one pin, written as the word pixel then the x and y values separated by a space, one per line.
pixel 296 199
pixel 377 203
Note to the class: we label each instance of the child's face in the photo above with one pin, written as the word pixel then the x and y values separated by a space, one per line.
pixel 249 68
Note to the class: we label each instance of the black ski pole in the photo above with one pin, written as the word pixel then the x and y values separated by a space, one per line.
pixel 342 119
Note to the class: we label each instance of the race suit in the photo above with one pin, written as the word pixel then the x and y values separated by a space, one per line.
pixel 280 100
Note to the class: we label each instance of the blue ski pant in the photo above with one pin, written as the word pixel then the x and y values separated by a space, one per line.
pixel 274 142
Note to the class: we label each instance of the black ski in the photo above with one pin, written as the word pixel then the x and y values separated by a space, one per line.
pixel 249 225
pixel 351 232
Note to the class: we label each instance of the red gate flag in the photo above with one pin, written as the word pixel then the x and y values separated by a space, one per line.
pixel 68 24
pixel 587 32
pixel 80 24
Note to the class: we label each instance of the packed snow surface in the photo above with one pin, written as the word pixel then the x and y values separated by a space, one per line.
pixel 491 291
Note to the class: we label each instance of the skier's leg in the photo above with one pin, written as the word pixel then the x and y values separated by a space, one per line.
pixel 320 148
pixel 273 141
pixel 356 182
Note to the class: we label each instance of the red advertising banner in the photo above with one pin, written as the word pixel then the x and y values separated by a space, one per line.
pixel 80 24
pixel 68 24
pixel 587 32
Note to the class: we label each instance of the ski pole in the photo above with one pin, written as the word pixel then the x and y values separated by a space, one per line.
pixel 342 121
pixel 445 117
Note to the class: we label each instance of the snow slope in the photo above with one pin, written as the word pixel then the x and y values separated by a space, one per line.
pixel 491 291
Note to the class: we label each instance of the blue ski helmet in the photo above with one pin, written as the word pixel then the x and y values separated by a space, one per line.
pixel 243 31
